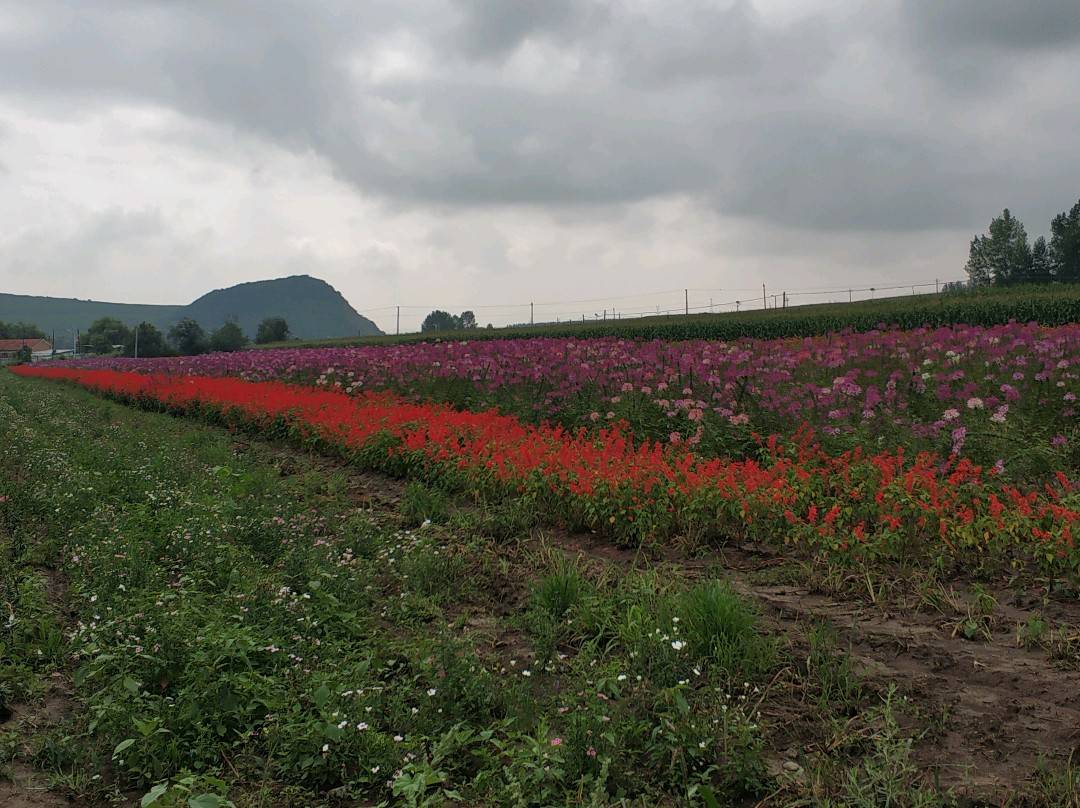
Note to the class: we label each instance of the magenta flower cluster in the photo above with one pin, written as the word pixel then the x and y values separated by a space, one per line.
pixel 939 381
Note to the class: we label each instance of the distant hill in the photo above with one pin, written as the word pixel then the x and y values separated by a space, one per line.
pixel 313 308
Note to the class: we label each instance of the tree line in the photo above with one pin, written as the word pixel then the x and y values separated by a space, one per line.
pixel 1003 256
pixel 185 338
pixel 20 331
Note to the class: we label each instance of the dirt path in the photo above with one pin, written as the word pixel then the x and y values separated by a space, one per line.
pixel 1006 708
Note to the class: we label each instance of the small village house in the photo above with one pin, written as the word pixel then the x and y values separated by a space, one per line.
pixel 10 348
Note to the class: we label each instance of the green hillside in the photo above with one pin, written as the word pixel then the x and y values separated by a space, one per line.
pixel 313 309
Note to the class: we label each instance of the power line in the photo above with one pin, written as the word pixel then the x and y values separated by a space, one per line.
pixel 525 313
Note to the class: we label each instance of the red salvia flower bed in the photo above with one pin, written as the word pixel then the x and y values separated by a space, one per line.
pixel 886 504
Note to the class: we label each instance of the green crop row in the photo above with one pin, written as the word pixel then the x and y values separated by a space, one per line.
pixel 1049 305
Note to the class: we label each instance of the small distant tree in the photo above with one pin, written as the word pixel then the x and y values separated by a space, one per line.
pixel 1065 245
pixel 230 337
pixel 188 337
pixel 440 320
pixel 104 333
pixel 1042 266
pixel 151 341
pixel 1003 256
pixel 272 329
pixel 24 354
pixel 467 320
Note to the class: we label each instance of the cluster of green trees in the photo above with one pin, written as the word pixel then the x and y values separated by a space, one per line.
pixel 1003 255
pixel 20 331
pixel 186 337
pixel 440 320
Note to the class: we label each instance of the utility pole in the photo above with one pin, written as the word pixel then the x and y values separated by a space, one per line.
pixel 764 302
pixel 785 300
pixel 936 290
pixel 605 315
pixel 686 298
pixel 136 341
pixel 738 305
pixel 397 329
pixel 531 321
pixel 848 295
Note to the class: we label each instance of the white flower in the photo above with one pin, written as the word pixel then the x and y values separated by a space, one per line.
pixel 326 747
pixel 432 692
pixel 362 726
pixel 678 645
pixel 398 739
pixel 526 673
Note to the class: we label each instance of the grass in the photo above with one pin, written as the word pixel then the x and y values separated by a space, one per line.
pixel 238 626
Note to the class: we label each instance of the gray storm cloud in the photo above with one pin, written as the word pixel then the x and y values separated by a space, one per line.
pixel 694 97
pixel 741 126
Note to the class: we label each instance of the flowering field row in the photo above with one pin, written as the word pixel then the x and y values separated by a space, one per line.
pixel 894 504
pixel 1004 395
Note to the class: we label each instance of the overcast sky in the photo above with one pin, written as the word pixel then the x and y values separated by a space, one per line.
pixel 472 153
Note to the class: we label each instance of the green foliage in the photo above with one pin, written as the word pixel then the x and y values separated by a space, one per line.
pixel 148 340
pixel 188 337
pixel 272 329
pixel 20 330
pixel 721 627
pixel 1042 264
pixel 104 333
pixel 423 503
pixel 1003 256
pixel 230 337
pixel 439 320
pixel 191 791
pixel 1065 245
pixel 560 591
pixel 889 774
pixel 838 683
